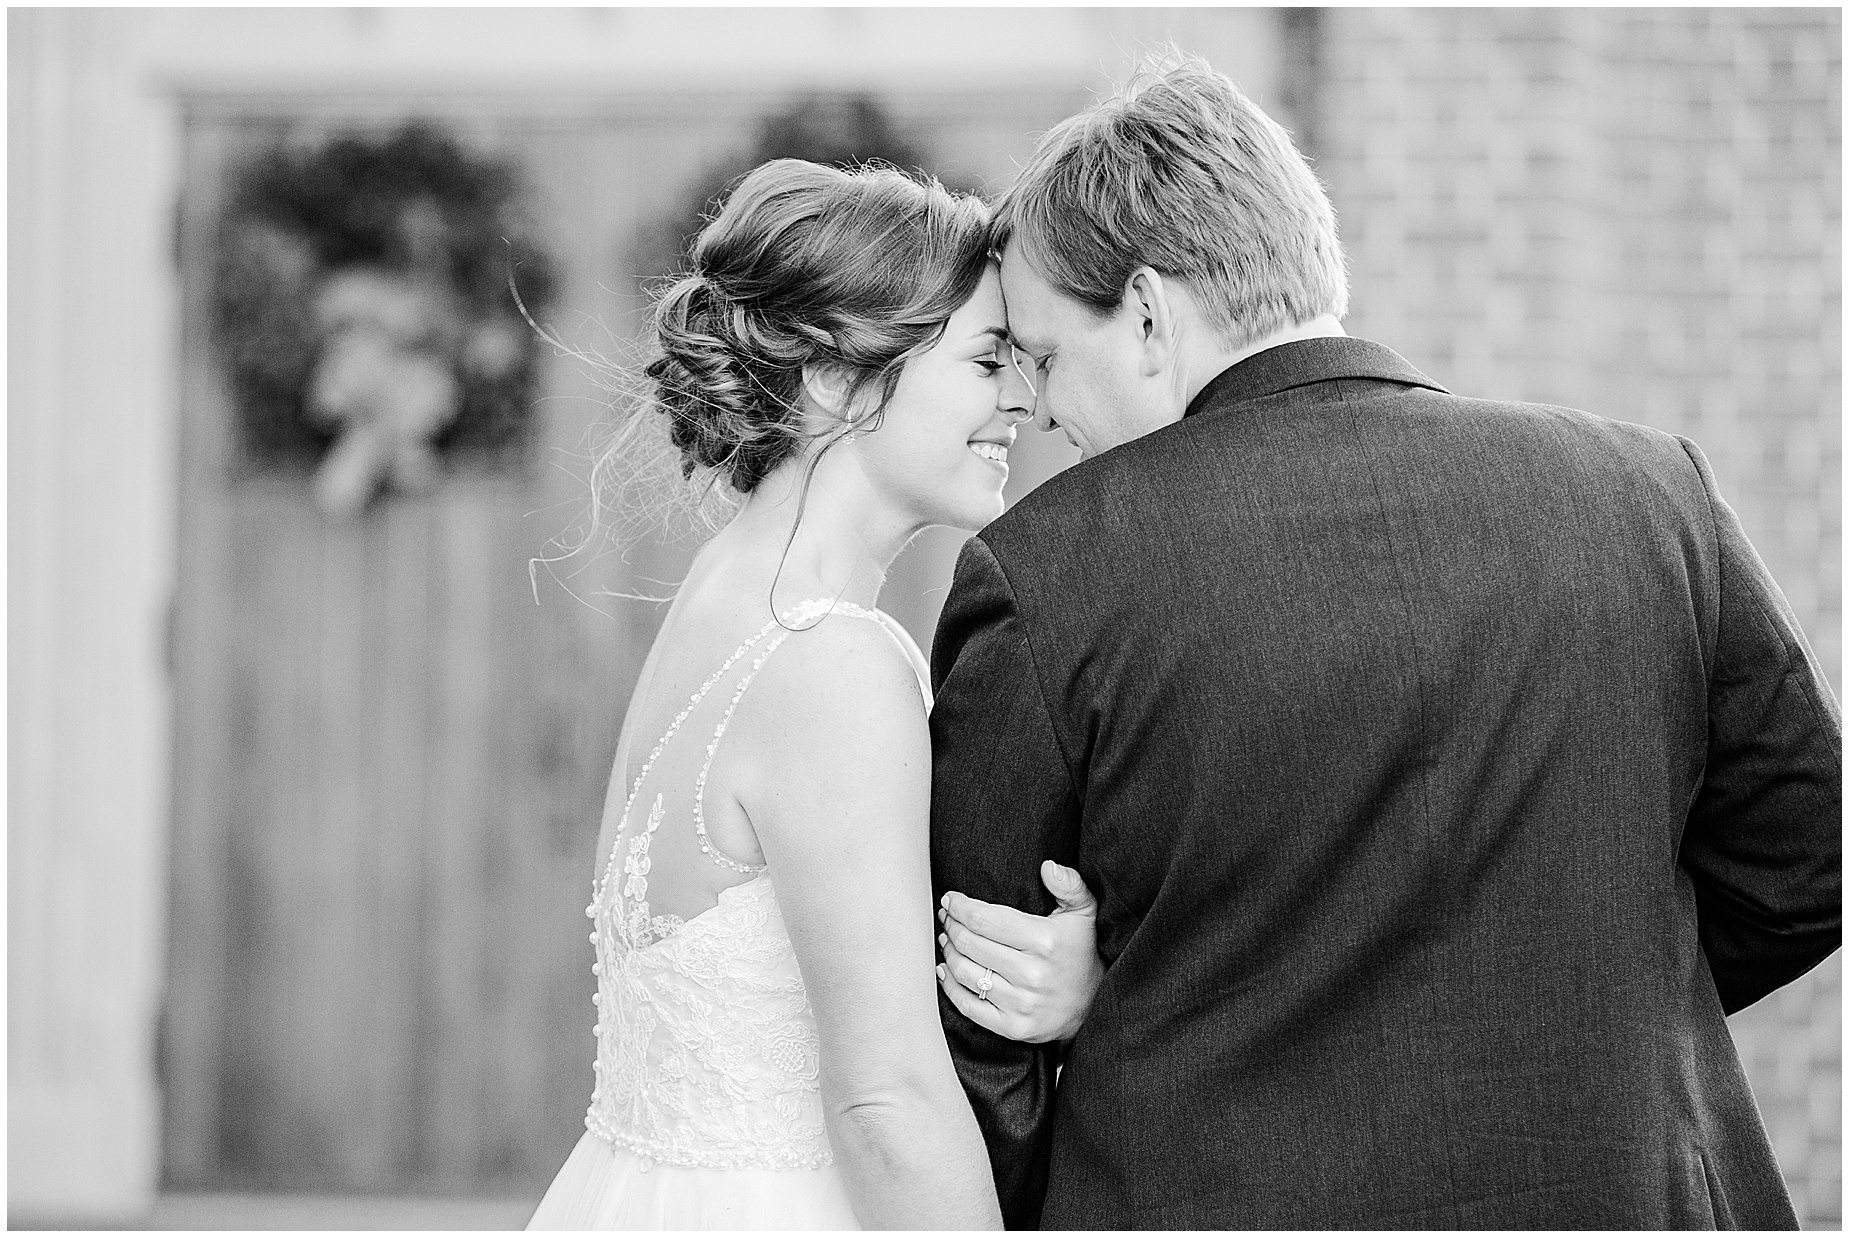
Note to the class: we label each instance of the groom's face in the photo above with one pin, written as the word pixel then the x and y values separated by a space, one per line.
pixel 1085 366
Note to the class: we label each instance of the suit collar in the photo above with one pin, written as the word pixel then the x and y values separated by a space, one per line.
pixel 1302 362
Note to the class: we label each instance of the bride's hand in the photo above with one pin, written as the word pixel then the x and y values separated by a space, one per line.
pixel 1044 970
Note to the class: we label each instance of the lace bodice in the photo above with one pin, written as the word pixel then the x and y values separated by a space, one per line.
pixel 707 1053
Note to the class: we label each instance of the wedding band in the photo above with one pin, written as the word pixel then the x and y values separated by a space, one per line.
pixel 984 983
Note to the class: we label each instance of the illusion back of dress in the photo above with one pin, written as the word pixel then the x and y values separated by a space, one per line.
pixel 707 1053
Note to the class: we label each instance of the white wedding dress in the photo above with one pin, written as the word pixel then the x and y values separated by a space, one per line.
pixel 706 1111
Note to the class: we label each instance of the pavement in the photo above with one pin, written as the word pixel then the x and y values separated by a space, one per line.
pixel 227 1210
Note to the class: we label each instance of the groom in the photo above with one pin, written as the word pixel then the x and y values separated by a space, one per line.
pixel 1446 770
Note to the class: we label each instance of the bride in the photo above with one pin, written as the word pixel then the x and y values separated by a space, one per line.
pixel 769 1053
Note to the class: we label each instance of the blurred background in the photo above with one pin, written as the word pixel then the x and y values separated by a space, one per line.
pixel 305 756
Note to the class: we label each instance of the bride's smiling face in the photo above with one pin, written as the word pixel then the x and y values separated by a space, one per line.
pixel 940 454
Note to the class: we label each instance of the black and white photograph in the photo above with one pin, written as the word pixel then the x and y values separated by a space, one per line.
pixel 925 618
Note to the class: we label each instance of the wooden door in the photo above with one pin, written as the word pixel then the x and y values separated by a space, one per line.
pixel 390 758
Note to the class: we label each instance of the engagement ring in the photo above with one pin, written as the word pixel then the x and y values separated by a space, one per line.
pixel 984 983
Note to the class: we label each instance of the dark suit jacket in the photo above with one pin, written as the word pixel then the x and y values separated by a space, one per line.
pixel 1446 770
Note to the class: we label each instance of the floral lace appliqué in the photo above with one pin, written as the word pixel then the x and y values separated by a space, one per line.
pixel 642 929
pixel 707 1052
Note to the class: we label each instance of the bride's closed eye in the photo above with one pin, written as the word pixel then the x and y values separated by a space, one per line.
pixel 996 359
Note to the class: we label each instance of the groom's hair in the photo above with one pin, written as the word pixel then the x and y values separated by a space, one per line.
pixel 1181 172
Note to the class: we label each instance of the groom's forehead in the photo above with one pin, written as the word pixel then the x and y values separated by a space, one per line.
pixel 1023 316
pixel 1035 305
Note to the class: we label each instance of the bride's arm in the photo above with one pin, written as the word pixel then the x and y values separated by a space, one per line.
pixel 841 809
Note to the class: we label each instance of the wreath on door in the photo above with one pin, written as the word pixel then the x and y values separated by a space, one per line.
pixel 839 129
pixel 362 306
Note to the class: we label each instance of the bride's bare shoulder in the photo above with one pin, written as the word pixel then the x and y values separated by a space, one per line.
pixel 838 745
pixel 839 673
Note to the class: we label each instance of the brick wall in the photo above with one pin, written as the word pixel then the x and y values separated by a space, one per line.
pixel 1637 213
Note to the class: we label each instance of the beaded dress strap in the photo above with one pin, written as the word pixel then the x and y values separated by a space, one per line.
pixel 813 609
pixel 603 884
pixel 802 613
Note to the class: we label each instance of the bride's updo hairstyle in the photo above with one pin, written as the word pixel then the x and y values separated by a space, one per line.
pixel 806 264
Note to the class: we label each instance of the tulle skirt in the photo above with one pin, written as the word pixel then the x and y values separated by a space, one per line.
pixel 601 1186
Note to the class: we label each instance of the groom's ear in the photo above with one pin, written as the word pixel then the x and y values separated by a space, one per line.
pixel 1147 301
